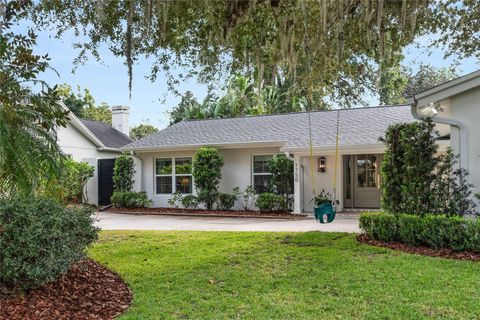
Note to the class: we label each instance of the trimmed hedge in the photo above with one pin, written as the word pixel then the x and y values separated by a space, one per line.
pixel 39 240
pixel 435 231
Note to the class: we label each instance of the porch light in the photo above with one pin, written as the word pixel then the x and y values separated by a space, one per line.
pixel 322 165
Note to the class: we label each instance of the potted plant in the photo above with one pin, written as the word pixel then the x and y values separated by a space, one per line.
pixel 323 207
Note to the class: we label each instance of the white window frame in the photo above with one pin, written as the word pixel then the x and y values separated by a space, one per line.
pixel 173 175
pixel 274 155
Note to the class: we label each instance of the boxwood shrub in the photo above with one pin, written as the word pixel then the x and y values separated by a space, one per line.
pixel 190 201
pixel 39 240
pixel 226 201
pixel 435 231
pixel 130 199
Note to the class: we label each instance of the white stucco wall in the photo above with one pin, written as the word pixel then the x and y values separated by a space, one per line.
pixel 237 170
pixel 466 108
pixel 80 148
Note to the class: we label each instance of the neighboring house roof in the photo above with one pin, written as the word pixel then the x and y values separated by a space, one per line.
pixel 359 126
pixel 109 136
pixel 446 90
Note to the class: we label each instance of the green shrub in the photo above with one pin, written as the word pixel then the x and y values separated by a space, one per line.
pixel 207 166
pixel 226 201
pixel 282 175
pixel 130 199
pixel 248 197
pixel 418 181
pixel 75 177
pixel 270 202
pixel 39 240
pixel 123 172
pixel 379 226
pixel 434 231
pixel 190 201
pixel 69 186
pixel 322 197
pixel 175 200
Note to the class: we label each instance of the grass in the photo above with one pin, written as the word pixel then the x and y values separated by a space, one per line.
pixel 220 275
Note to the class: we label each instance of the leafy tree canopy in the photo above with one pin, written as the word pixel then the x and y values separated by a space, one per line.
pixel 335 49
pixel 83 105
pixel 398 82
pixel 426 77
pixel 141 131
pixel 29 109
pixel 241 97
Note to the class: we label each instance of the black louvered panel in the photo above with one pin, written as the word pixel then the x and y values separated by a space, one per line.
pixel 105 181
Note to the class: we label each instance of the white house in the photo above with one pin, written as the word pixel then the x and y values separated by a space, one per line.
pixel 98 144
pixel 248 143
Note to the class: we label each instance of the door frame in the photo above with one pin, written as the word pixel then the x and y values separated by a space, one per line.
pixel 349 186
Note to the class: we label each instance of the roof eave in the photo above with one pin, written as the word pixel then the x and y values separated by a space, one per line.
pixel 330 149
pixel 109 149
pixel 252 144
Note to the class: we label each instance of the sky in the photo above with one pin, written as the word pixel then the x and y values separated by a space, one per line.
pixel 150 102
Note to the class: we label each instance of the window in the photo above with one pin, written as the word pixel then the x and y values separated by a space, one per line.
pixel 169 178
pixel 261 175
pixel 183 175
pixel 163 172
pixel 366 171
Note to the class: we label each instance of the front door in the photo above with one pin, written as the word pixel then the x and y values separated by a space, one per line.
pixel 366 180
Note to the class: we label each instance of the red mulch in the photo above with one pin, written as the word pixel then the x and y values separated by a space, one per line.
pixel 87 291
pixel 199 212
pixel 424 251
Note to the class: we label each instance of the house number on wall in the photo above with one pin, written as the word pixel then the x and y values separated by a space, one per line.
pixel 296 172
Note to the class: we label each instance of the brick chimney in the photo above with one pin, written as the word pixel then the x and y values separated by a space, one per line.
pixel 120 118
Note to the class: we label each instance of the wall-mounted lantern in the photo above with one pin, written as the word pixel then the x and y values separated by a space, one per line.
pixel 322 165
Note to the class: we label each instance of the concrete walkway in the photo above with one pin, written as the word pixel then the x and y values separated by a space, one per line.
pixel 114 221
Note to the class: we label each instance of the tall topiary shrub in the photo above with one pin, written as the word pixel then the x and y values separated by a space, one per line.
pixel 416 180
pixel 123 172
pixel 207 166
pixel 408 167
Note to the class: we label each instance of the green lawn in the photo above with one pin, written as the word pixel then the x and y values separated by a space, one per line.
pixel 220 275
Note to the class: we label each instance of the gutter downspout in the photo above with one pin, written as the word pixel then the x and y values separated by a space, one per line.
pixel 463 143
pixel 289 157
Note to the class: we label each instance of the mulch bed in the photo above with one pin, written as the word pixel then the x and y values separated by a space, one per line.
pixel 424 251
pixel 87 291
pixel 201 212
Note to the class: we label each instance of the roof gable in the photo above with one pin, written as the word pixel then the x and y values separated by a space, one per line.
pixel 98 132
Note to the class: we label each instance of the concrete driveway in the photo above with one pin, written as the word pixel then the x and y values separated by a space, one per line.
pixel 114 221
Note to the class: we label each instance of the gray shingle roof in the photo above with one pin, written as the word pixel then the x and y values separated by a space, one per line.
pixel 358 126
pixel 110 137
